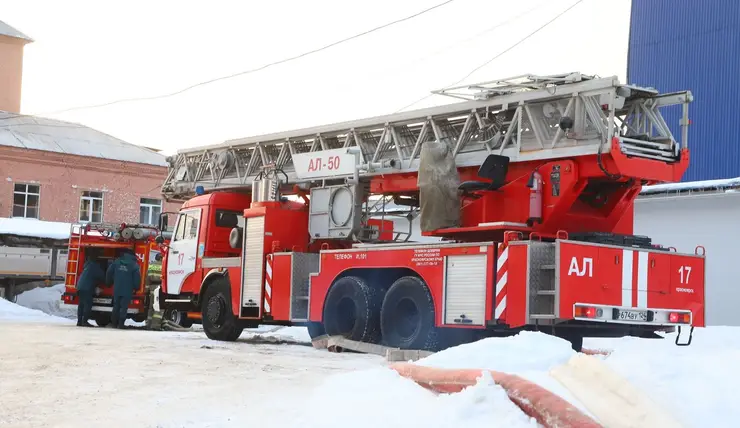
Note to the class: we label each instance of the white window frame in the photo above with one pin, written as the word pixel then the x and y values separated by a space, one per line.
pixel 89 206
pixel 149 207
pixel 26 194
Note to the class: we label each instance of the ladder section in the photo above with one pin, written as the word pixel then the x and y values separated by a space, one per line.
pixel 73 254
pixel 527 118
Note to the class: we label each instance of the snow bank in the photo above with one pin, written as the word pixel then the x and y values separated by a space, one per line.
pixel 34 228
pixel 47 300
pixel 526 351
pixel 16 313
pixel 696 383
pixel 382 398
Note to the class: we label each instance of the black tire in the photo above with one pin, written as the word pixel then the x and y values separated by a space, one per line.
pixel 315 329
pixel 101 319
pixel 407 316
pixel 352 310
pixel 219 321
pixel 177 317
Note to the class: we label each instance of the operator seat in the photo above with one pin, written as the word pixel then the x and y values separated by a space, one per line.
pixel 493 168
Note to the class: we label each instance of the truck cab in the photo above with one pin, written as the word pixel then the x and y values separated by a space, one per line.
pixel 200 238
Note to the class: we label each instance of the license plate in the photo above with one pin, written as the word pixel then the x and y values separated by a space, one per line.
pixel 103 301
pixel 625 315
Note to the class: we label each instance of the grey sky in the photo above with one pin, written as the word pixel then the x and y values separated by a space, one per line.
pixel 89 52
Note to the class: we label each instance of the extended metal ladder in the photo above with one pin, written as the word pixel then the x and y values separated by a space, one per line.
pixel 525 118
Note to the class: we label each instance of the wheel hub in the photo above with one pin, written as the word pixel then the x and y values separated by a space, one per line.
pixel 214 310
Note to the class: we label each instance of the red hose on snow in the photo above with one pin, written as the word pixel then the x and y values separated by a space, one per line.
pixel 547 408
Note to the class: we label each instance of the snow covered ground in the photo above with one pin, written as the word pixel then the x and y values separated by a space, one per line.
pixel 57 374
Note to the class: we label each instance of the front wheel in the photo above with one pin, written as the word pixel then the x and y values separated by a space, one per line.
pixel 219 321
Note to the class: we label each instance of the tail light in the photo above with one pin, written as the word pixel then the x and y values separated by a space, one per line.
pixel 679 317
pixel 588 312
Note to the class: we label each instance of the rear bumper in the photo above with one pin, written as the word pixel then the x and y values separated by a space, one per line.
pixel 101 308
pixel 103 304
pixel 657 317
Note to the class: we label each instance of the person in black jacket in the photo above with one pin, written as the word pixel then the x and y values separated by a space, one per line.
pixel 92 275
pixel 125 275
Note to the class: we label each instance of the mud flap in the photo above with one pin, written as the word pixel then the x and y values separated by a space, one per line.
pixel 607 396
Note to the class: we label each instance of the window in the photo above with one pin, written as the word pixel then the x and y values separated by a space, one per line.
pixel 26 200
pixel 228 219
pixel 91 207
pixel 149 211
pixel 187 226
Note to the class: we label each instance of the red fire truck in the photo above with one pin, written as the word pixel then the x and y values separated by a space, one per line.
pixel 105 240
pixel 528 183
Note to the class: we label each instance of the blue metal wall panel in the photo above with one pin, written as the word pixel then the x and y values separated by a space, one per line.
pixel 693 44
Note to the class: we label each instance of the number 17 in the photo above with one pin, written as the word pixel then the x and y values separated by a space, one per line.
pixel 687 271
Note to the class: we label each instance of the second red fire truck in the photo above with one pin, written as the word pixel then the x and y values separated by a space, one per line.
pixel 528 183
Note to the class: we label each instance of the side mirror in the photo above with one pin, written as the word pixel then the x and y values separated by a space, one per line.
pixel 158 257
pixel 162 224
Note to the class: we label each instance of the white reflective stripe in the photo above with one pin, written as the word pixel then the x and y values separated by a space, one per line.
pixel 501 283
pixel 268 267
pixel 502 258
pixel 500 308
pixel 627 264
pixel 267 306
pixel 268 289
pixel 642 279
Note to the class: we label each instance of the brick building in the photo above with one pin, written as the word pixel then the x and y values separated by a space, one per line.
pixel 60 171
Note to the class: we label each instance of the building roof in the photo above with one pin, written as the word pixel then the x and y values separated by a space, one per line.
pixel 7 30
pixel 38 133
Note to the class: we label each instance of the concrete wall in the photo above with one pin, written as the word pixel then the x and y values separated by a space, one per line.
pixel 11 73
pixel 710 220
pixel 63 178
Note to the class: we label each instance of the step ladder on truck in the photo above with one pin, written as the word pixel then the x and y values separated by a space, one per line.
pixel 529 184
pixel 105 241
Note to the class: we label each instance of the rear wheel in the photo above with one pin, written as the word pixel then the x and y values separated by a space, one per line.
pixel 315 329
pixel 101 319
pixel 407 316
pixel 219 321
pixel 352 310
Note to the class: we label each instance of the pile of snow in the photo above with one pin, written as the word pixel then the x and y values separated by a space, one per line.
pixel 34 228
pixel 382 398
pixel 47 300
pixel 16 313
pixel 524 352
pixel 695 383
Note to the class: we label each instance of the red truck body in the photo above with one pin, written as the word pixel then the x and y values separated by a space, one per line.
pixel 82 240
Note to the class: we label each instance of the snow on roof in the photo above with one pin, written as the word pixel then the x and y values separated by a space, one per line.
pixel 39 133
pixel 723 184
pixel 34 228
pixel 7 30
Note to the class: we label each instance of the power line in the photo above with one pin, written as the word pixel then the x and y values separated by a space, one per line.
pixel 499 54
pixel 241 73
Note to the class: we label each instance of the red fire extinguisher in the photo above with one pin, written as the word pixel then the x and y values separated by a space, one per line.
pixel 535 198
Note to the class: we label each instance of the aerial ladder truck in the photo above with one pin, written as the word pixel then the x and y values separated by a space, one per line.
pixel 528 183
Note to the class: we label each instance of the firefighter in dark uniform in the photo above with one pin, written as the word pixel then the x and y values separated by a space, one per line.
pixel 125 275
pixel 92 275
